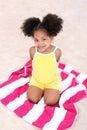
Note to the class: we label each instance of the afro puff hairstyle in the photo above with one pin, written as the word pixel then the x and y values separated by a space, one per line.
pixel 29 25
pixel 51 23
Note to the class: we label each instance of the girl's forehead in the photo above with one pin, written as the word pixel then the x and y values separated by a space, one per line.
pixel 40 32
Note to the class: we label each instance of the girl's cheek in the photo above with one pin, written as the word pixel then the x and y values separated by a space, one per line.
pixel 35 45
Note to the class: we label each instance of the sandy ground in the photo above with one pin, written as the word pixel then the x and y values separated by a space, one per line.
pixel 14 46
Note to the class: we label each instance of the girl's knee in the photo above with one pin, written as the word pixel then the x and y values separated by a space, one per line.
pixel 51 97
pixel 34 94
pixel 50 101
pixel 32 98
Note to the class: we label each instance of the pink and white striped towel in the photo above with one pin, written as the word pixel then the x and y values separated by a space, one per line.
pixel 58 117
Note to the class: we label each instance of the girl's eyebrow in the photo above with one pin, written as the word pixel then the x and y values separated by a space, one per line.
pixel 35 38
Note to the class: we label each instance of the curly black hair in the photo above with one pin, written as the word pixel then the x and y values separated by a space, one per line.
pixel 29 25
pixel 51 23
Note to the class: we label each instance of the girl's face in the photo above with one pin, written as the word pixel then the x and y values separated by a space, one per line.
pixel 42 40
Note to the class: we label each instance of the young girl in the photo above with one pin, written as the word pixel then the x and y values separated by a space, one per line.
pixel 45 80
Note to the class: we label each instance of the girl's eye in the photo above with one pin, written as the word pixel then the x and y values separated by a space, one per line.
pixel 35 40
pixel 44 39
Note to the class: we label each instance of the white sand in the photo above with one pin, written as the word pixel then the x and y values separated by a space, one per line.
pixel 14 46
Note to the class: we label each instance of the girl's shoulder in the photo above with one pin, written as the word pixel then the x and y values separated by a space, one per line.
pixel 32 52
pixel 56 49
pixel 32 48
pixel 58 53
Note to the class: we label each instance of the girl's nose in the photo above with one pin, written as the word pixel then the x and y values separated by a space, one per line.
pixel 39 43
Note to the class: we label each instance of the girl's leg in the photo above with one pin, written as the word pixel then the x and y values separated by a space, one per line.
pixel 51 96
pixel 34 94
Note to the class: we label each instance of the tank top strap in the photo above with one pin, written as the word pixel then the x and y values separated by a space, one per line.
pixel 55 49
pixel 36 50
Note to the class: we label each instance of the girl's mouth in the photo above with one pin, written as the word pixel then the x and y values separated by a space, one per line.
pixel 40 47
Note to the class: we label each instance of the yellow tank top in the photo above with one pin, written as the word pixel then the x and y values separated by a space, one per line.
pixel 45 67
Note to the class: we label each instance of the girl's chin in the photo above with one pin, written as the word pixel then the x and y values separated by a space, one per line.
pixel 41 49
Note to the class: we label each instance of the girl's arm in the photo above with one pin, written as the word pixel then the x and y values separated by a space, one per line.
pixel 32 52
pixel 58 54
